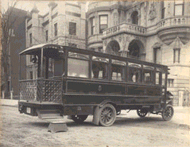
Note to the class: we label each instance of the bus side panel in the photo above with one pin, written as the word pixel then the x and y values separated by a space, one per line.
pixel 117 99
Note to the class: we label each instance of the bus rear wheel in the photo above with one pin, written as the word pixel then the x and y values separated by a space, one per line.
pixel 142 112
pixel 167 113
pixel 107 115
pixel 79 118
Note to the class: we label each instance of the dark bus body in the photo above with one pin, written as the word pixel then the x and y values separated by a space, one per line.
pixel 79 83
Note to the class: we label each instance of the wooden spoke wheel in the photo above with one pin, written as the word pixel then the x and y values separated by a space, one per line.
pixel 142 112
pixel 79 118
pixel 107 115
pixel 168 113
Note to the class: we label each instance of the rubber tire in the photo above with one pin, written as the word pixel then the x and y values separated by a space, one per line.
pixel 79 118
pixel 113 117
pixel 140 114
pixel 166 118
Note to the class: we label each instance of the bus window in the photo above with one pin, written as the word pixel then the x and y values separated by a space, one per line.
pixel 51 68
pixel 163 79
pixel 134 75
pixel 59 67
pixel 78 68
pixel 158 78
pixel 148 76
pixel 117 72
pixel 99 70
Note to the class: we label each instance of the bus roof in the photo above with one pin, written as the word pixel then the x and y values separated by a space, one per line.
pixel 36 48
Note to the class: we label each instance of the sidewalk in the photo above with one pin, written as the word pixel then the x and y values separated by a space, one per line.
pixel 9 102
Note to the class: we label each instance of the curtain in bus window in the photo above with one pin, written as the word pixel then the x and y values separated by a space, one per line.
pixel 99 70
pixel 78 68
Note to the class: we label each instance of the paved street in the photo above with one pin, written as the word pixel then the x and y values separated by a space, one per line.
pixel 128 130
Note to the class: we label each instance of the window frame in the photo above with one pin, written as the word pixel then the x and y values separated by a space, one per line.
pixel 163 10
pixel 135 18
pixel 92 25
pixel 175 50
pixel 179 4
pixel 155 54
pixel 81 59
pixel 71 32
pixel 30 35
pixel 100 29
pixel 55 30
pixel 170 83
pixel 47 36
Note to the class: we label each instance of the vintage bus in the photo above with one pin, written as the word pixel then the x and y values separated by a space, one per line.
pixel 78 83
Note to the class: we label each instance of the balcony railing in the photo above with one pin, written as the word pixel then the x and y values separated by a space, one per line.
pixel 169 22
pixel 133 28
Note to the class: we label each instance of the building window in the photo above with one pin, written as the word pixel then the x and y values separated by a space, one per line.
pixel 46 35
pixel 30 38
pixel 92 21
pixel 170 83
pixel 55 29
pixel 177 55
pixel 134 17
pixel 103 23
pixel 72 28
pixel 179 7
pixel 163 7
pixel 31 75
pixel 156 50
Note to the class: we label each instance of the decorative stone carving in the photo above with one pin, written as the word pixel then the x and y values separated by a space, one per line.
pixel 127 39
pixel 152 12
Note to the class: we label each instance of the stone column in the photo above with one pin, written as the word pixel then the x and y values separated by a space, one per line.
pixel 124 48
pixel 124 53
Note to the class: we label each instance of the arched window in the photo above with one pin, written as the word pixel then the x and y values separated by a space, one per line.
pixel 134 17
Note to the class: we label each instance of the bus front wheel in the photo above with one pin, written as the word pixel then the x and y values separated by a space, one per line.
pixel 107 115
pixel 167 113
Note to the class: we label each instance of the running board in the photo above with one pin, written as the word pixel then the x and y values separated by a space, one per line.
pixel 57 123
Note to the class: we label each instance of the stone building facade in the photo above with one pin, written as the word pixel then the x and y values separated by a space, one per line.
pixel 64 24
pixel 153 31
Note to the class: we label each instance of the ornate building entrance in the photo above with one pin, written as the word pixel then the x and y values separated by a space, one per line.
pixel 113 47
pixel 136 50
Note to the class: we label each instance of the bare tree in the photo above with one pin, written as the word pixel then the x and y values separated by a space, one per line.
pixel 7 22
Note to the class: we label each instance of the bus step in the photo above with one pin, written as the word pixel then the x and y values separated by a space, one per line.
pixel 49 114
pixel 57 127
pixel 57 123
